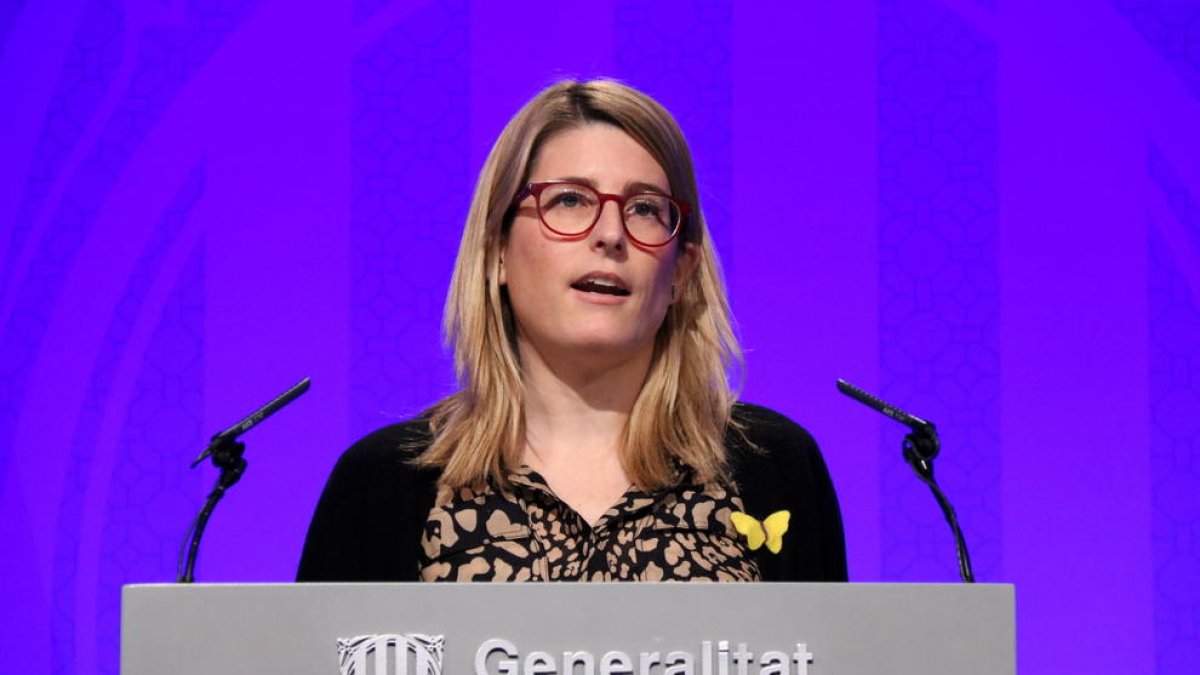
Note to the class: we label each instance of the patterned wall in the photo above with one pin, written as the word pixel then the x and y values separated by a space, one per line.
pixel 123 490
pixel 1175 385
pixel 680 54
pixel 148 491
pixel 939 282
pixel 1172 28
pixel 411 103
pixel 202 201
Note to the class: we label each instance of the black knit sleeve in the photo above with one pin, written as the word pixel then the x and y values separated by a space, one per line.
pixel 777 466
pixel 368 520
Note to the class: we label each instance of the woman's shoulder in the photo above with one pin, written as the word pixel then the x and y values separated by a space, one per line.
pixel 758 430
pixel 367 522
pixel 766 447
pixel 409 435
pixel 776 467
pixel 387 452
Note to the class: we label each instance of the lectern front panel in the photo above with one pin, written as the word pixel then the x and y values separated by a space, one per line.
pixel 568 629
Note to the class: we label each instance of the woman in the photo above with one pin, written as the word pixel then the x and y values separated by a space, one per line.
pixel 595 436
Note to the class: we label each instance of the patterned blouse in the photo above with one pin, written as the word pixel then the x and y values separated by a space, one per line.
pixel 526 533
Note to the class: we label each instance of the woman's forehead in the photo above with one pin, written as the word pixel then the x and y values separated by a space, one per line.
pixel 602 155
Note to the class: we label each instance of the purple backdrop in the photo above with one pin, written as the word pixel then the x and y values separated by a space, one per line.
pixel 987 211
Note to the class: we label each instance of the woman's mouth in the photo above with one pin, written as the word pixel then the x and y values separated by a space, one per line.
pixel 602 283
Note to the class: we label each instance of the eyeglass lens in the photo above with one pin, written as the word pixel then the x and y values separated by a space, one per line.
pixel 571 209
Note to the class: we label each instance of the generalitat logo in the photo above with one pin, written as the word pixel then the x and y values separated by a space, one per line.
pixel 408 654
pixel 419 654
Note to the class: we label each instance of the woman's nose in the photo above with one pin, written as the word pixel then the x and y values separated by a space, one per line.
pixel 609 230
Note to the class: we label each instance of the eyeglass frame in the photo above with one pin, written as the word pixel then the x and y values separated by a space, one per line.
pixel 535 190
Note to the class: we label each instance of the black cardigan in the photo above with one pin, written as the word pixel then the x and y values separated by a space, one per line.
pixel 369 521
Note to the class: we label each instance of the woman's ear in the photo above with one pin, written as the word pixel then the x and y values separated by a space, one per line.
pixel 686 263
pixel 502 276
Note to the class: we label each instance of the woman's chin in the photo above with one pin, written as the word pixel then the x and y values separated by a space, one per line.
pixel 607 346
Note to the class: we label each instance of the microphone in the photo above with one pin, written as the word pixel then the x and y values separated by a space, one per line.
pixel 911 421
pixel 253 419
pixel 226 452
pixel 920 446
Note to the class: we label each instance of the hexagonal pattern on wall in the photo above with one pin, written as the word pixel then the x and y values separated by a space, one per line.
pixel 1172 28
pixel 173 375
pixel 122 71
pixel 410 189
pixel 681 54
pixel 87 74
pixel 1175 430
pixel 939 283
pixel 151 492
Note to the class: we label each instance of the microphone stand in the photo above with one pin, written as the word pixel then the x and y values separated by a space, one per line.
pixel 226 453
pixel 227 456
pixel 919 448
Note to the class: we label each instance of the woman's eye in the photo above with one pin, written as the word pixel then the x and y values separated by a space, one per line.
pixel 644 209
pixel 568 200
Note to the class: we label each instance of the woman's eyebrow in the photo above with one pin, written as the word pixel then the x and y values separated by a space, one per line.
pixel 578 179
pixel 631 187
pixel 638 186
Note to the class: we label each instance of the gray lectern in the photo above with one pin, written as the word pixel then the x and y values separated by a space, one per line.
pixel 568 629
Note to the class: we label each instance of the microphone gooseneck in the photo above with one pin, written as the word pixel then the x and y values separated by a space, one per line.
pixel 920 446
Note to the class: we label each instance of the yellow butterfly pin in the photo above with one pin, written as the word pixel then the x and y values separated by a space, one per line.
pixel 770 530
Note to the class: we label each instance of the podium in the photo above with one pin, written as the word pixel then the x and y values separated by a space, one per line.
pixel 568 629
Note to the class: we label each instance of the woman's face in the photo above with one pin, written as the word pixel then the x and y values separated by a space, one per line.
pixel 559 312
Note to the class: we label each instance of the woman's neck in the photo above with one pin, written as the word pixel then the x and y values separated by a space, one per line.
pixel 574 419
pixel 579 408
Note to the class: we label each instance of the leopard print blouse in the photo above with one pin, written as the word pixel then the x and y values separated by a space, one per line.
pixel 526 533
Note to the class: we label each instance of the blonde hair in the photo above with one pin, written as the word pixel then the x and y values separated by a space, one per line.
pixel 681 415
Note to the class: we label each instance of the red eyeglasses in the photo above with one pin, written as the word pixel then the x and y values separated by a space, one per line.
pixel 650 219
